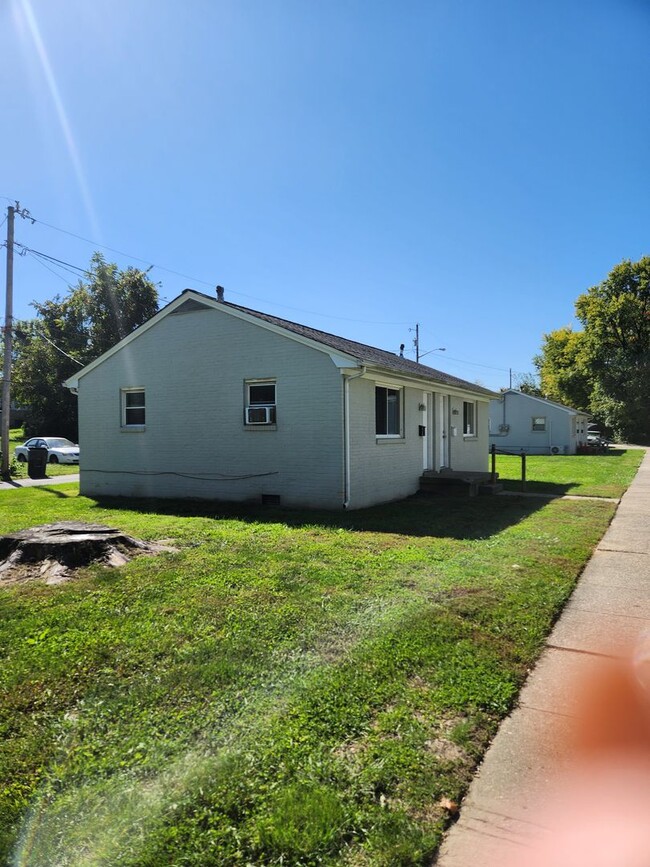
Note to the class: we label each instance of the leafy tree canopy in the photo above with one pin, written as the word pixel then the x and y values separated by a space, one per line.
pixel 563 368
pixel 527 383
pixel 69 333
pixel 606 367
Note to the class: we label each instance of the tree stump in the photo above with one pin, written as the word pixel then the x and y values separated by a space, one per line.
pixel 52 551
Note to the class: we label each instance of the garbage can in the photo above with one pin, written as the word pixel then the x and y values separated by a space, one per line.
pixel 36 463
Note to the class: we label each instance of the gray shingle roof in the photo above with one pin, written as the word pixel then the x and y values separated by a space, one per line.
pixel 365 354
pixel 546 400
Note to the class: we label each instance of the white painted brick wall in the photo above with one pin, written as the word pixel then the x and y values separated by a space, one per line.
pixel 193 367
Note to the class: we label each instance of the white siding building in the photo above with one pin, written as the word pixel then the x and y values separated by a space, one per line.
pixel 537 426
pixel 212 400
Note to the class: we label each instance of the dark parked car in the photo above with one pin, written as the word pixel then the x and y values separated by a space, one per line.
pixel 595 436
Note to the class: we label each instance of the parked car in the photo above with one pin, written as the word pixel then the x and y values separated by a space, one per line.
pixel 59 450
pixel 595 436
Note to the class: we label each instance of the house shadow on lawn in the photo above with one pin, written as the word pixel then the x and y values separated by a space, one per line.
pixel 550 489
pixel 453 517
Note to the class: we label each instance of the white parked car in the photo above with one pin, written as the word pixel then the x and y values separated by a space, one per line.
pixel 59 450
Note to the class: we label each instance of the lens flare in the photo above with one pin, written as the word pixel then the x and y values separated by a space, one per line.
pixel 25 18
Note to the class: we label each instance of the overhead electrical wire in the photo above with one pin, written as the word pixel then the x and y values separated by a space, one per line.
pixel 51 270
pixel 78 271
pixel 211 284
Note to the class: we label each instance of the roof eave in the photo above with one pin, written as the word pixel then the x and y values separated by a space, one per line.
pixel 428 381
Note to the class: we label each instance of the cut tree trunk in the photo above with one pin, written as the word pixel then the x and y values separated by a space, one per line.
pixel 52 550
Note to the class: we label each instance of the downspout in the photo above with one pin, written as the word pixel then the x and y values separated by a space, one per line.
pixel 346 433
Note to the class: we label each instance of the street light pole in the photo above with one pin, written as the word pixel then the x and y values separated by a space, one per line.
pixel 416 344
pixel 437 349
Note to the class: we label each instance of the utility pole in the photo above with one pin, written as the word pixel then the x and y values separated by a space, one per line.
pixel 8 334
pixel 416 341
pixel 416 344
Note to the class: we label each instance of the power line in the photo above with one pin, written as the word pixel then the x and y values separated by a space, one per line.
pixel 210 283
pixel 51 270
pixel 77 271
pixel 476 364
pixel 58 349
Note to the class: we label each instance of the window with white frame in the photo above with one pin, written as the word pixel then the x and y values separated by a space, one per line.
pixel 133 407
pixel 388 411
pixel 260 402
pixel 539 422
pixel 469 418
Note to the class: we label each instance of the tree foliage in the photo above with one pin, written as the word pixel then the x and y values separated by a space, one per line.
pixel 606 367
pixel 69 333
pixel 563 368
pixel 528 384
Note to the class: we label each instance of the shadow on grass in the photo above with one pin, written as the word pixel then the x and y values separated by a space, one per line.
pixel 56 491
pixel 599 453
pixel 553 490
pixel 457 517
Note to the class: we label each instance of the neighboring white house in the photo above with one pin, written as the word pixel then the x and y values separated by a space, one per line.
pixel 538 426
pixel 212 400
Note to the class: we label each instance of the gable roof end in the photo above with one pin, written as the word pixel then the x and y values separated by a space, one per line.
pixel 361 353
pixel 545 400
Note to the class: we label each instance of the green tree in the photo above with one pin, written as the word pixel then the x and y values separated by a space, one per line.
pixel 616 319
pixel 605 368
pixel 69 333
pixel 527 382
pixel 564 368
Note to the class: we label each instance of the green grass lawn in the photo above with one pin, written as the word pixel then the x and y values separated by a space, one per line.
pixel 19 470
pixel 285 688
pixel 605 475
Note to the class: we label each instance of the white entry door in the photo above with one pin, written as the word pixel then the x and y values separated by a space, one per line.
pixel 426 432
pixel 442 427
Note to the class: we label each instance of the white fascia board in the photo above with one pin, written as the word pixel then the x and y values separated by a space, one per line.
pixel 338 358
pixel 345 364
pixel 394 378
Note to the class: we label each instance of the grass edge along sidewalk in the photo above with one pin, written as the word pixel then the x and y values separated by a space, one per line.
pixel 286 688
pixel 607 475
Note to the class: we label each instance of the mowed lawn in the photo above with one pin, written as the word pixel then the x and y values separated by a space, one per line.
pixel 605 475
pixel 284 688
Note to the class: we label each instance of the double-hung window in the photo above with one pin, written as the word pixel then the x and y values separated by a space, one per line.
pixel 133 407
pixel 388 411
pixel 539 422
pixel 469 418
pixel 260 402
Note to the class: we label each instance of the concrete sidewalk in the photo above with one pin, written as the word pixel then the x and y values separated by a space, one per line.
pixel 609 608
pixel 14 484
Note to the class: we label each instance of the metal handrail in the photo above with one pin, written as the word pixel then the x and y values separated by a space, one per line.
pixel 493 453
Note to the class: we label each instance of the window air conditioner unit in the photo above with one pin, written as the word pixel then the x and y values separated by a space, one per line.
pixel 258 414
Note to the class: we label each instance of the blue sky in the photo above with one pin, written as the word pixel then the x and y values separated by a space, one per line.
pixel 469 165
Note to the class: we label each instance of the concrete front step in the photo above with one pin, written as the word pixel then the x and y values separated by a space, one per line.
pixel 457 482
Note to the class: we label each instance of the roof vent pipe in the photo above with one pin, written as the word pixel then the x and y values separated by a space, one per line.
pixel 219 293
